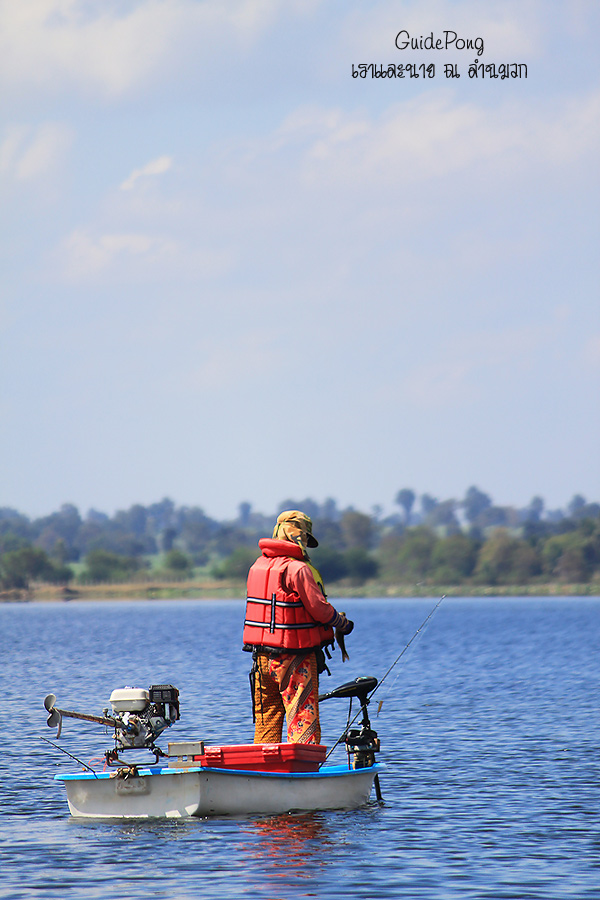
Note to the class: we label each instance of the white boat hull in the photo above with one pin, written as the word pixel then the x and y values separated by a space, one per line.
pixel 182 793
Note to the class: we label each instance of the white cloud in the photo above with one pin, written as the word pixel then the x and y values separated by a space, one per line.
pixel 47 43
pixel 234 361
pixel 155 167
pixel 110 48
pixel 506 26
pixel 463 374
pixel 83 256
pixel 86 256
pixel 439 384
pixel 435 136
pixel 591 352
pixel 27 152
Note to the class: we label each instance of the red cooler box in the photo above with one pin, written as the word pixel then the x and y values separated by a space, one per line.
pixel 265 757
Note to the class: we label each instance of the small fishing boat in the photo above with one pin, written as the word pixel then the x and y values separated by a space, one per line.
pixel 194 780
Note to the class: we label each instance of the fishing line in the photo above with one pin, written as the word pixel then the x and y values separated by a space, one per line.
pixel 400 655
pixel 395 663
pixel 62 750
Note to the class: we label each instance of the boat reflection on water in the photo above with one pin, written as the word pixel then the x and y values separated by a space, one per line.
pixel 289 848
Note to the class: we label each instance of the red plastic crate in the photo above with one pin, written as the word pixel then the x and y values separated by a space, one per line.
pixel 265 757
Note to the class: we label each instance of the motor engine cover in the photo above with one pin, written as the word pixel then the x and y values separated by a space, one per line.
pixel 129 699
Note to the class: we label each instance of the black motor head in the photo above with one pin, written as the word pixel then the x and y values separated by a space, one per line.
pixel 361 687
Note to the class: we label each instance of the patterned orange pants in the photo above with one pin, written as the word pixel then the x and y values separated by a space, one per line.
pixel 287 686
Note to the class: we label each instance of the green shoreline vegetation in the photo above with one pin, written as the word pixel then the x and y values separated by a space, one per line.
pixel 230 590
pixel 469 547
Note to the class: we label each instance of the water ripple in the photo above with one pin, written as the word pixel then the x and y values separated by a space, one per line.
pixel 489 728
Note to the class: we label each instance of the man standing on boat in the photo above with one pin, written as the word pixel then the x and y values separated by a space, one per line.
pixel 288 622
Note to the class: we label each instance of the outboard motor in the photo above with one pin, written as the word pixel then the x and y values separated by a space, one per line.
pixel 362 742
pixel 138 717
pixel 141 716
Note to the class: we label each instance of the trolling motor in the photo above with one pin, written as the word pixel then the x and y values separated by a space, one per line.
pixel 138 717
pixel 362 743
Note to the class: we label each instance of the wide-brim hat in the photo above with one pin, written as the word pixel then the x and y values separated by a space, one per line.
pixel 292 524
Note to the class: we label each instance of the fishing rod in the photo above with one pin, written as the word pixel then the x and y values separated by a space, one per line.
pixel 62 750
pixel 415 635
pixel 363 696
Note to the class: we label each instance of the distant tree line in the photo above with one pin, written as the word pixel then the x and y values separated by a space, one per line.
pixel 425 541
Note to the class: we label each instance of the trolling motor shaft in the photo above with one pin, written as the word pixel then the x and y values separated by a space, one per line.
pixel 362 742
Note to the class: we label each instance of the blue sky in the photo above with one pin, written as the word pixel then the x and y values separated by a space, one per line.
pixel 233 272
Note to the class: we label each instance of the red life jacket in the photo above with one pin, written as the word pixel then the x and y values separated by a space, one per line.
pixel 285 608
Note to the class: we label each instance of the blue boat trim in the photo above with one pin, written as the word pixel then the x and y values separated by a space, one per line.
pixel 325 772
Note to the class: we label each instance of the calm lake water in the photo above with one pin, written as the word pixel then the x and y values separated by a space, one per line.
pixel 490 731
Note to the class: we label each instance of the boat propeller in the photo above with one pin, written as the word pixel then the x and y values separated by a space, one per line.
pixel 55 717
